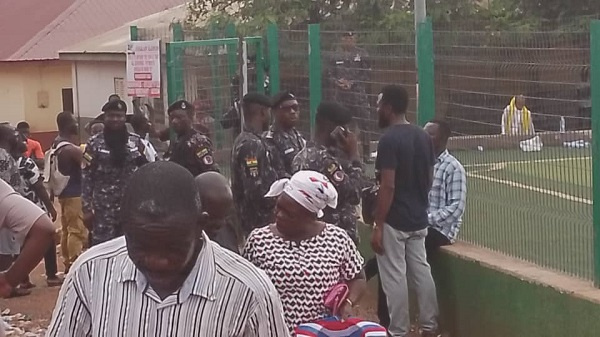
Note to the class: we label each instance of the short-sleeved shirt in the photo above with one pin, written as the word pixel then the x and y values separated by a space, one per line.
pixel 34 149
pixel 408 150
pixel 304 272
pixel 17 213
pixel 30 173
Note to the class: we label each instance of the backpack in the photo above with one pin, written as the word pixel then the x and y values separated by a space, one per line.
pixel 333 327
pixel 54 181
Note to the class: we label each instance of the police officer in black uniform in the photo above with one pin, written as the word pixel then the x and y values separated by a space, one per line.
pixel 251 165
pixel 191 149
pixel 334 152
pixel 283 139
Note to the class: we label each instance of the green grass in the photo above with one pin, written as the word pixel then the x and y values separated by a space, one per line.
pixel 534 206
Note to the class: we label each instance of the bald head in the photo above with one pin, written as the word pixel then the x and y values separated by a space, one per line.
pixel 216 197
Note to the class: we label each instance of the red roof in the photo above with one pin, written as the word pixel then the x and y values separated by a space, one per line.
pixel 21 20
pixel 82 20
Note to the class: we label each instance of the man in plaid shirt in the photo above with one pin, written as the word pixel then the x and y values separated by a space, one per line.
pixel 448 195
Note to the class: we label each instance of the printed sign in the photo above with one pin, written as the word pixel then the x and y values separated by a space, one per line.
pixel 143 68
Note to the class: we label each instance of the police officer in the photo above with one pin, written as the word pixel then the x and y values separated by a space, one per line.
pixel 109 159
pixel 283 139
pixel 334 152
pixel 348 72
pixel 191 149
pixel 252 172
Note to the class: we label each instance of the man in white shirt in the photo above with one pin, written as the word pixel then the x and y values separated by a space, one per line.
pixel 516 119
pixel 141 127
pixel 165 277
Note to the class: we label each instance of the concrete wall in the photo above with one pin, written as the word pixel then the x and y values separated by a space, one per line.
pixel 20 83
pixel 486 294
pixel 93 83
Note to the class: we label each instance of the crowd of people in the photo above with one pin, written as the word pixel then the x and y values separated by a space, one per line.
pixel 164 245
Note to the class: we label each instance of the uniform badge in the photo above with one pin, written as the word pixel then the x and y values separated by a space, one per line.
pixel 357 58
pixel 208 160
pixel 183 106
pixel 87 160
pixel 201 153
pixel 254 172
pixel 332 168
pixel 119 106
pixel 338 176
pixel 288 151
pixel 251 162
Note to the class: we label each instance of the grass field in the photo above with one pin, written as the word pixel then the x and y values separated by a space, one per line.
pixel 535 206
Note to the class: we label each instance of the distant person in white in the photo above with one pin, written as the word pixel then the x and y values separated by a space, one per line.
pixel 165 277
pixel 516 119
pixel 141 126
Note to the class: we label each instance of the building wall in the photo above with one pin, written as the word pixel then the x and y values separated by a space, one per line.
pixel 94 82
pixel 20 84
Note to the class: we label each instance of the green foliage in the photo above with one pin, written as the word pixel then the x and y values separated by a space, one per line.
pixel 251 16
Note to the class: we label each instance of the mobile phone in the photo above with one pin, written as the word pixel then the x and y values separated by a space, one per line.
pixel 339 133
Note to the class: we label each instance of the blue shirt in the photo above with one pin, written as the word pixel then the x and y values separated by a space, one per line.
pixel 448 196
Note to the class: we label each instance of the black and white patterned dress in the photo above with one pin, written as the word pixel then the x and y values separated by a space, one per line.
pixel 303 272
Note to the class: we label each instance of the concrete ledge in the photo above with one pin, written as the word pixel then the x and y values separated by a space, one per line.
pixel 486 294
pixel 525 271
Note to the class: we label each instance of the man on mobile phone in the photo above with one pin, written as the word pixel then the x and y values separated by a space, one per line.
pixel 334 152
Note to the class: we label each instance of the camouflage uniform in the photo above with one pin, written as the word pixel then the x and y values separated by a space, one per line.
pixel 284 146
pixel 194 151
pixel 353 66
pixel 103 184
pixel 252 174
pixel 347 177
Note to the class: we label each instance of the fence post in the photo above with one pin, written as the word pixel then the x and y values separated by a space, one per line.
pixel 273 46
pixel 595 88
pixel 425 73
pixel 175 66
pixel 314 75
pixel 232 51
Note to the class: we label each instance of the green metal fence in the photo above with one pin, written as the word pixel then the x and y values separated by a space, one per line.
pixel 531 200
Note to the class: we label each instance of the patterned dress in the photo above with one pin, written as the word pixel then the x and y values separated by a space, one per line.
pixel 303 272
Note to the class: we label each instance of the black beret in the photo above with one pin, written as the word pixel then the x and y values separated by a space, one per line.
pixel 349 33
pixel 334 112
pixel 116 105
pixel 256 98
pixel 182 105
pixel 282 97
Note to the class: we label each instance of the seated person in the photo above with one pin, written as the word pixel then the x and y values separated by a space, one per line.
pixel 516 119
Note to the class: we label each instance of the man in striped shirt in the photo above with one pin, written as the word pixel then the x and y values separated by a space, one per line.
pixel 448 195
pixel 165 277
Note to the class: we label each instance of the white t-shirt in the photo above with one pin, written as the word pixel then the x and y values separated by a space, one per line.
pixel 17 214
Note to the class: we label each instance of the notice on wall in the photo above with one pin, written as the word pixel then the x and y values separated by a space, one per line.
pixel 143 68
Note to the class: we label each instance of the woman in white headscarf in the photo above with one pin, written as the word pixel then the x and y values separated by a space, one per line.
pixel 304 257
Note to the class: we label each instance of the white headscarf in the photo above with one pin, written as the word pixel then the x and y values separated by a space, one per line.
pixel 312 190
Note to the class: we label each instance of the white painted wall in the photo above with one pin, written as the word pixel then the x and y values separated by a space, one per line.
pixel 93 82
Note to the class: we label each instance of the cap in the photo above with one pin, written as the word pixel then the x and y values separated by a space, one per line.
pixel 256 98
pixel 116 105
pixel 182 105
pixel 283 97
pixel 349 33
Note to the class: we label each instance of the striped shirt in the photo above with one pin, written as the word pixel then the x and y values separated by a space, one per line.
pixel 224 295
pixel 448 196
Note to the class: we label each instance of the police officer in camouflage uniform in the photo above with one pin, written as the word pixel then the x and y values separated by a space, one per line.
pixel 283 140
pixel 252 172
pixel 348 72
pixel 110 158
pixel 191 149
pixel 334 152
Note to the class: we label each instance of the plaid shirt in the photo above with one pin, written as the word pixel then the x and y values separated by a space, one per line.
pixel 448 196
